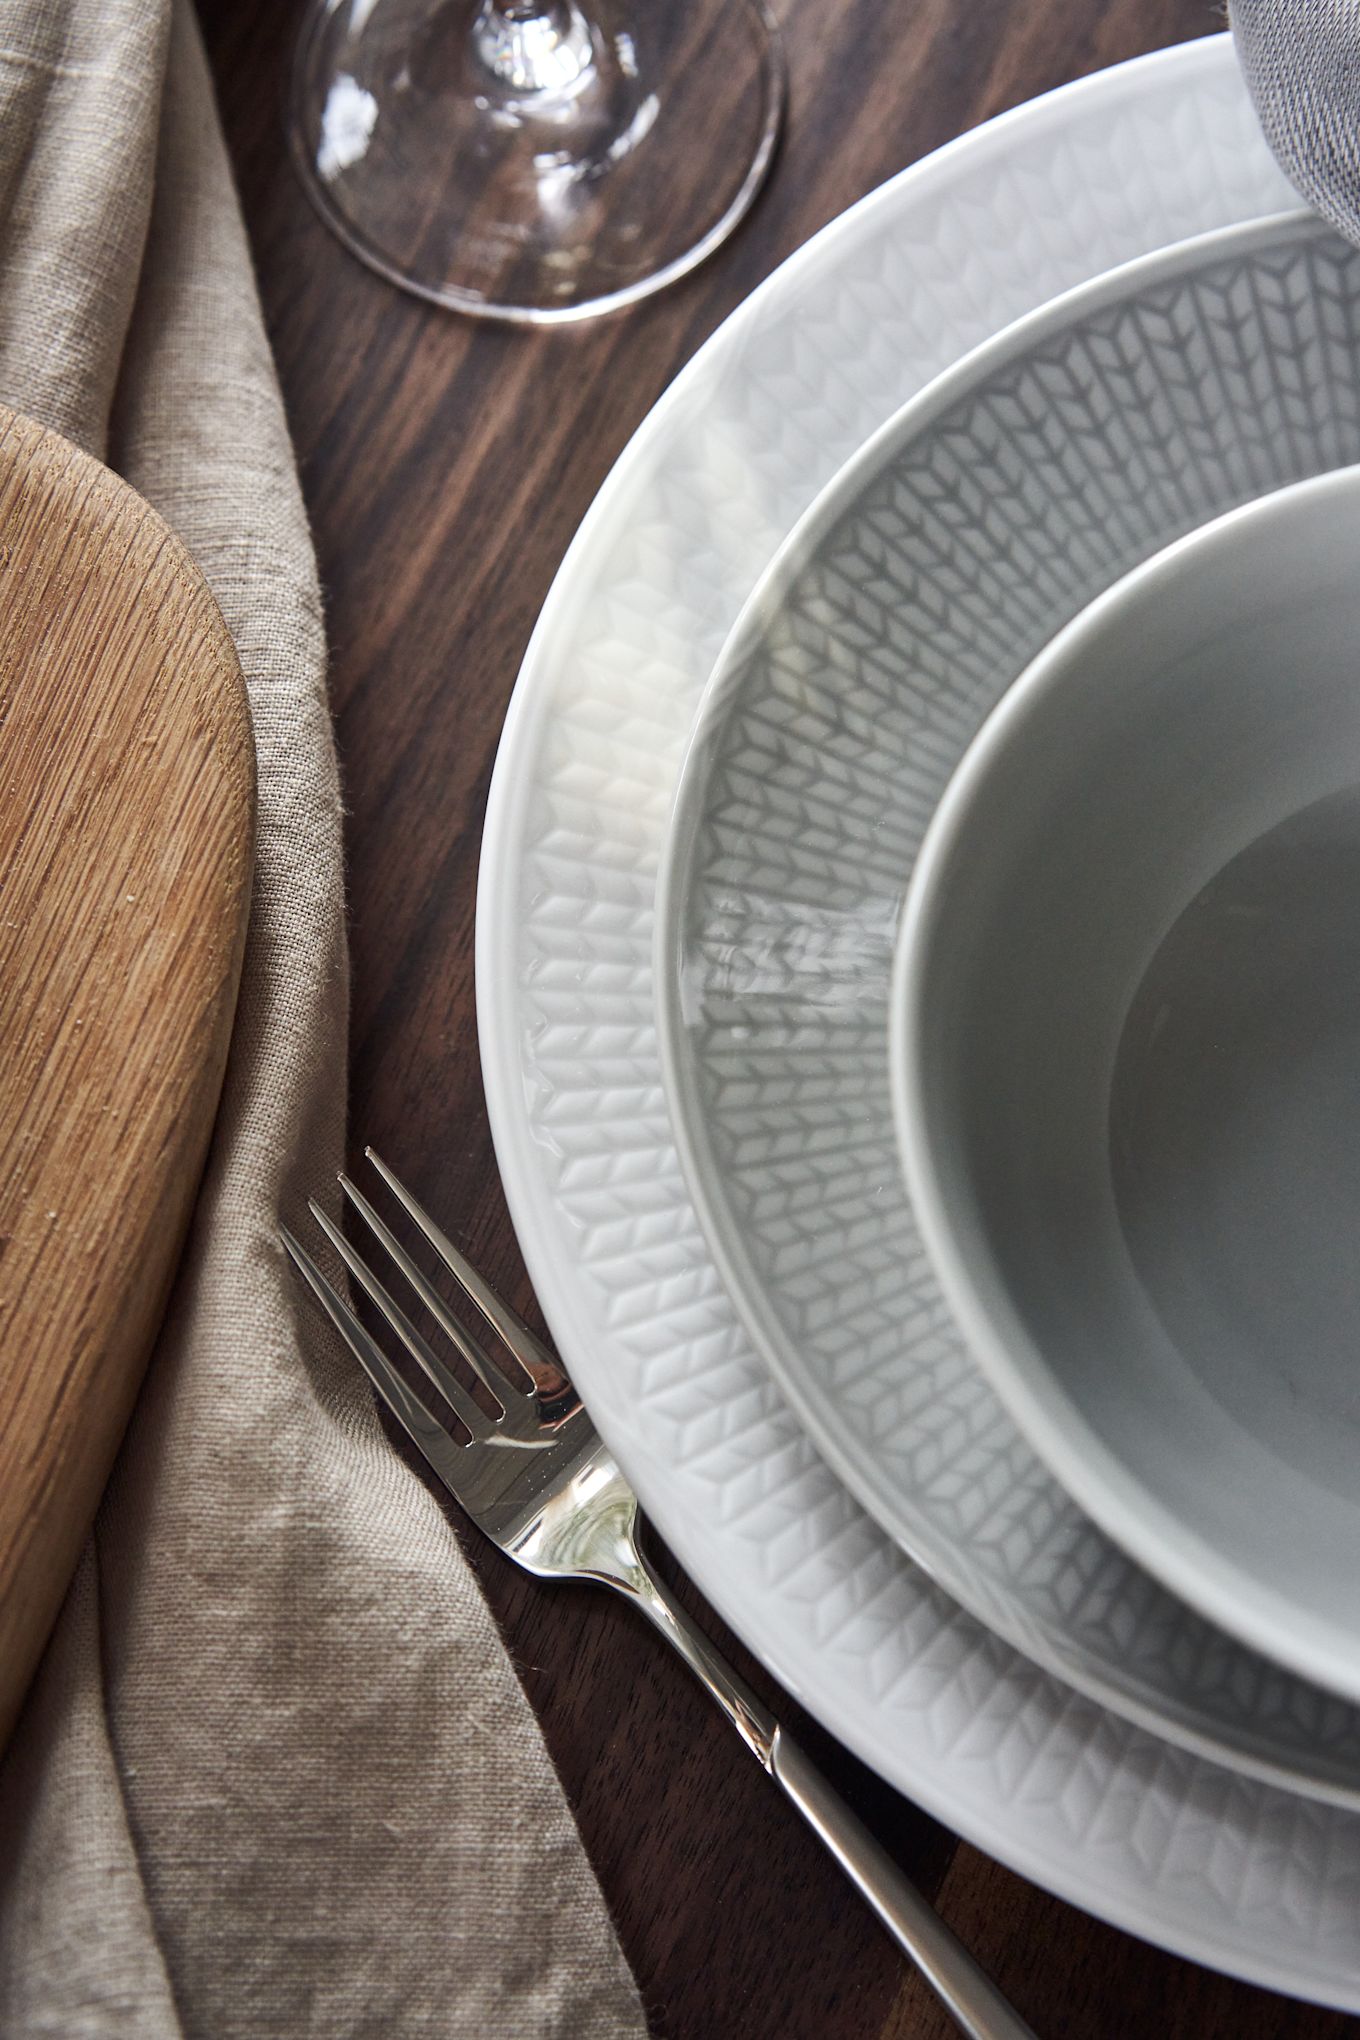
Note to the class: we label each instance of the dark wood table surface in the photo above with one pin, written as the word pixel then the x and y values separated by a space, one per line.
pixel 446 466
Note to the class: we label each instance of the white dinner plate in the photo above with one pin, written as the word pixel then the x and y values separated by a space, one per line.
pixel 1253 1879
pixel 1018 486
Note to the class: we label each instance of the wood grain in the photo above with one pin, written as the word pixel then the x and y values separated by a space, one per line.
pixel 446 467
pixel 126 817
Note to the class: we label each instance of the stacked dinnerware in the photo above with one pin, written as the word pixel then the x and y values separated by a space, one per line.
pixel 953 421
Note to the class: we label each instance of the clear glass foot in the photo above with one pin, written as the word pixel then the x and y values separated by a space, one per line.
pixel 535 162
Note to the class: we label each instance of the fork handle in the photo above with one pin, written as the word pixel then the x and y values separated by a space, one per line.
pixel 962 1985
pixel 965 1988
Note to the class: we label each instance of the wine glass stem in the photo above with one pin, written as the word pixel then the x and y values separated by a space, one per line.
pixel 531 46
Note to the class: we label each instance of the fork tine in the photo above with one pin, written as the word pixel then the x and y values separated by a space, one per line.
pixel 478 1359
pixel 544 1370
pixel 420 1424
pixel 484 1429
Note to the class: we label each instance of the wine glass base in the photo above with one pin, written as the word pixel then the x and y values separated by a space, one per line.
pixel 535 164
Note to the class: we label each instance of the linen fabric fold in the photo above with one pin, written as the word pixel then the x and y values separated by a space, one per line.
pixel 276 1774
pixel 1301 62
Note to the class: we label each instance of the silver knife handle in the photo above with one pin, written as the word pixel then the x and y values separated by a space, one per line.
pixel 917 1928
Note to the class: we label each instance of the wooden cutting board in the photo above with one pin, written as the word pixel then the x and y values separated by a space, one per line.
pixel 126 837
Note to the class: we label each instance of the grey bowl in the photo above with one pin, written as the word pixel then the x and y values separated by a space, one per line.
pixel 1126 1047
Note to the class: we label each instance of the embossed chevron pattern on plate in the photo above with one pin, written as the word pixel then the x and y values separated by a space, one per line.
pixel 1018 486
pixel 1257 1880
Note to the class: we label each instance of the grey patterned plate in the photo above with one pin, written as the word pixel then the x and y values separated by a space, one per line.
pixel 966 532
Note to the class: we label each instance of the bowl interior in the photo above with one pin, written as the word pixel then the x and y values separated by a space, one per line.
pixel 1128 1049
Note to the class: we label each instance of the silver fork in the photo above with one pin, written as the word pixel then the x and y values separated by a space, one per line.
pixel 538 1480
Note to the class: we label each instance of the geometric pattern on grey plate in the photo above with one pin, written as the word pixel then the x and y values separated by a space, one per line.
pixel 943 560
pixel 1251 1878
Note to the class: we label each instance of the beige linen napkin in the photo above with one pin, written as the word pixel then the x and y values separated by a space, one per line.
pixel 276 1776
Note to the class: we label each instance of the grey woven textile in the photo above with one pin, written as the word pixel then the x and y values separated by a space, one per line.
pixel 1301 61
pixel 276 1776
